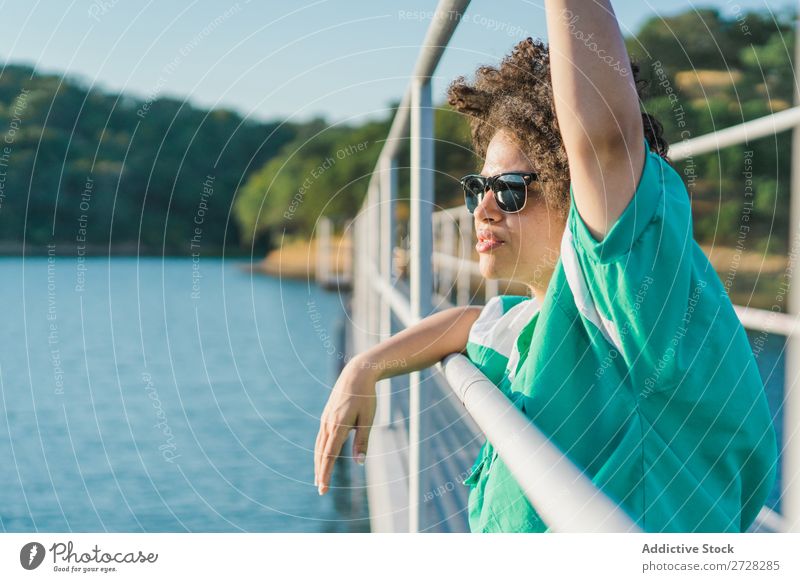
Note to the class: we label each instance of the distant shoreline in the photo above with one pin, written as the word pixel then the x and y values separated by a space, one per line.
pixel 121 250
pixel 270 265
pixel 297 259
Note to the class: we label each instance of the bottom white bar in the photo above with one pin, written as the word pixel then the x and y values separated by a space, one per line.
pixel 331 557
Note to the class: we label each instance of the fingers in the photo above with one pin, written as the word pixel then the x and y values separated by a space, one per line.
pixel 318 453
pixel 330 451
pixel 361 440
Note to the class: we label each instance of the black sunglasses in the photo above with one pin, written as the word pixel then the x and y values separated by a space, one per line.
pixel 510 189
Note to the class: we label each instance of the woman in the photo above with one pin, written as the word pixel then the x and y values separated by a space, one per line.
pixel 628 355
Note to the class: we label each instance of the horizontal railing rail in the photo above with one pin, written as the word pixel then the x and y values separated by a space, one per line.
pixel 563 496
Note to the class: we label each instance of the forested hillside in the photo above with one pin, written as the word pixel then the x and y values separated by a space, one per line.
pixel 80 166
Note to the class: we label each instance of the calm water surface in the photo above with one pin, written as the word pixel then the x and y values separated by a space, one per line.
pixel 166 395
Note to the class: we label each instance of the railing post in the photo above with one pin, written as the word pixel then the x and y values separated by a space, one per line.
pixel 464 292
pixel 447 228
pixel 421 288
pixel 367 291
pixel 359 305
pixel 388 195
pixel 436 246
pixel 375 256
pixel 357 297
pixel 790 494
pixel 371 256
pixel 323 251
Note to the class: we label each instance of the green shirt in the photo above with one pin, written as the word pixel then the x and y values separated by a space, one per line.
pixel 637 367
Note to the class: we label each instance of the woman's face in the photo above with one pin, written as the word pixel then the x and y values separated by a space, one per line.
pixel 522 246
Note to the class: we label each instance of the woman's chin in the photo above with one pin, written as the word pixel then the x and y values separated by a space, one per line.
pixel 488 267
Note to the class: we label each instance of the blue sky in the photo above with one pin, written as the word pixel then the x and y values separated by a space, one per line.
pixel 346 60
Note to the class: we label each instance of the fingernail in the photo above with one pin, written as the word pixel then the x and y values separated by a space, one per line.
pixel 360 458
pixel 319 489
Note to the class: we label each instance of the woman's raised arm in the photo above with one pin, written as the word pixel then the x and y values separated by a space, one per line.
pixel 597 108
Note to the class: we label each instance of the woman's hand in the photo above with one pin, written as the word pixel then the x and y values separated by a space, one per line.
pixel 352 402
pixel 351 405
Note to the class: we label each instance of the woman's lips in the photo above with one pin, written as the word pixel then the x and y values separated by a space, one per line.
pixel 487 244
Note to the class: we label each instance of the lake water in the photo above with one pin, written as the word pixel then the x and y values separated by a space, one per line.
pixel 166 395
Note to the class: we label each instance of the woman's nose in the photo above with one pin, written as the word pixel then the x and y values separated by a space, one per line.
pixel 487 209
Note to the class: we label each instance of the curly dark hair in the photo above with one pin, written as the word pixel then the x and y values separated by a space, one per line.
pixel 518 96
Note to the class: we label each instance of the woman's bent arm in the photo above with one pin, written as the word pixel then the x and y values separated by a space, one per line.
pixel 352 402
pixel 422 345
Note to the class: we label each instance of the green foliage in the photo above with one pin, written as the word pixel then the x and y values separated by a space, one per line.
pixel 754 52
pixel 149 162
pixel 89 169
pixel 326 173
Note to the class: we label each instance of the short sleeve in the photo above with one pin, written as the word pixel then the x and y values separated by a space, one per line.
pixel 634 285
pixel 645 207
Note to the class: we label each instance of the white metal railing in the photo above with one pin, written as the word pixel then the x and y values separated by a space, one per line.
pixel 376 299
pixel 564 497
